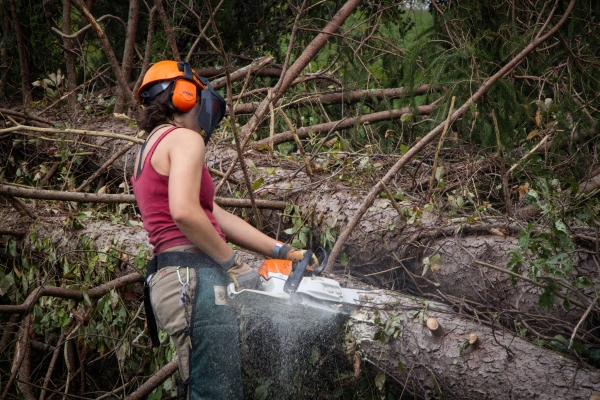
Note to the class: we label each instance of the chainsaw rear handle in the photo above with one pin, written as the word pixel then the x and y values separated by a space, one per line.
pixel 322 256
pixel 293 281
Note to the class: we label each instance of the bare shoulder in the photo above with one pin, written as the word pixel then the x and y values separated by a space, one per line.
pixel 184 140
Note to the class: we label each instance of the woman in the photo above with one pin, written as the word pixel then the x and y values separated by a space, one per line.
pixel 193 263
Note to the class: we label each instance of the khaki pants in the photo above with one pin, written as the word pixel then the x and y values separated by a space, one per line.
pixel 165 294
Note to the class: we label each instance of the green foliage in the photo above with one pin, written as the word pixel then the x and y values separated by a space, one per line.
pixel 391 326
pixel 547 248
pixel 110 334
pixel 301 235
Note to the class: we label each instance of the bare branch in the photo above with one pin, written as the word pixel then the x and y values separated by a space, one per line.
pixel 64 293
pixel 132 102
pixel 238 148
pixel 341 125
pixel 168 30
pixel 284 83
pixel 337 248
pixel 9 190
pixel 155 380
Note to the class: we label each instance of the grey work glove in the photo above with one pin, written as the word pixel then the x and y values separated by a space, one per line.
pixel 287 252
pixel 242 275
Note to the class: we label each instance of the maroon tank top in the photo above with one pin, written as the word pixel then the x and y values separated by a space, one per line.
pixel 151 192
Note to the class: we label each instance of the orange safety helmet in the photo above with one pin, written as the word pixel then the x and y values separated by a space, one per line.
pixel 184 92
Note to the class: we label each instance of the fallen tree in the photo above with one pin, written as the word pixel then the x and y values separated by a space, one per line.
pixel 458 358
pixel 389 332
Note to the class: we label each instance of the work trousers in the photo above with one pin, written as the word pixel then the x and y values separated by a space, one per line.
pixel 201 323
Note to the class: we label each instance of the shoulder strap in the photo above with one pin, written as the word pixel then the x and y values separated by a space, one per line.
pixel 151 151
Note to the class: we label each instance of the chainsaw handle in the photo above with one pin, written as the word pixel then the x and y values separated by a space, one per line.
pixel 293 281
pixel 322 256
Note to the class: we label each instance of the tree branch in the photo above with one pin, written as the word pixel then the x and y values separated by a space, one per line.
pixel 336 98
pixel 337 248
pixel 120 198
pixel 168 30
pixel 132 102
pixel 159 377
pixel 20 127
pixel 341 125
pixel 286 80
pixel 64 293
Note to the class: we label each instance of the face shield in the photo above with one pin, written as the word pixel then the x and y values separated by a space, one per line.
pixel 212 108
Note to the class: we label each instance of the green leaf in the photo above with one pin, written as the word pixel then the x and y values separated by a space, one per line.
pixel 547 299
pixel 400 366
pixel 406 117
pixel 257 183
pixel 262 392
pixel 439 173
pixel 156 395
pixel 560 225
pixel 377 319
pixel 12 247
pixel 86 299
pixel 380 381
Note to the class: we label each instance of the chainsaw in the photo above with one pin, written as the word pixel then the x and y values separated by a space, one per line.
pixel 286 284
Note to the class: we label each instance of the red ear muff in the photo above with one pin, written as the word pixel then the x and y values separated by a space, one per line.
pixel 184 95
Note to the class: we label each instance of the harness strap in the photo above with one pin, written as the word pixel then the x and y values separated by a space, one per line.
pixel 150 320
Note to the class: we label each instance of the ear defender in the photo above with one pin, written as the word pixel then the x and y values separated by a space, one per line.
pixel 184 95
pixel 184 90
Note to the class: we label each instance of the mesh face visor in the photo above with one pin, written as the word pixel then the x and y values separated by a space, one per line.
pixel 212 109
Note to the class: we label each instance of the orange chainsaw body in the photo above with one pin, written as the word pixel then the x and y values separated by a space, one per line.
pixel 277 266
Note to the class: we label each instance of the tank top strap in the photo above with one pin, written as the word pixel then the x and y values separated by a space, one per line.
pixel 152 148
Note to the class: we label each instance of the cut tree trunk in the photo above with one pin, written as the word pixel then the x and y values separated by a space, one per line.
pixel 467 360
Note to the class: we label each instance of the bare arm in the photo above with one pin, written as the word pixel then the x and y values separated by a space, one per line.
pixel 241 233
pixel 186 158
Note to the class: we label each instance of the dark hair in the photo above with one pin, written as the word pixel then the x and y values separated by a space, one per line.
pixel 160 111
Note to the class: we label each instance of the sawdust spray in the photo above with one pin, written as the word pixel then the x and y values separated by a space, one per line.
pixel 288 350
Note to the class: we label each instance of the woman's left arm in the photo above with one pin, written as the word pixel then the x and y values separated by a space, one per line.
pixel 242 234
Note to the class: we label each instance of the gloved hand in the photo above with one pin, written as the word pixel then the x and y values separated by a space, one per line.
pixel 287 252
pixel 242 275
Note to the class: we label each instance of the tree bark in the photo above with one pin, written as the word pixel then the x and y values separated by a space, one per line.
pixel 128 52
pixel 168 30
pixel 132 102
pixel 89 4
pixel 148 51
pixel 4 52
pixel 69 56
pixel 498 365
pixel 23 57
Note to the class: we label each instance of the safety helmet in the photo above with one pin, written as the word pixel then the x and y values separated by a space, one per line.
pixel 187 83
